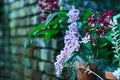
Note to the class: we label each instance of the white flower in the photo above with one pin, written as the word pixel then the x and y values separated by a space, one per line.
pixel 116 74
pixel 86 39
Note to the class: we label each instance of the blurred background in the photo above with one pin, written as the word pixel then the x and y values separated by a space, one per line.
pixel 36 62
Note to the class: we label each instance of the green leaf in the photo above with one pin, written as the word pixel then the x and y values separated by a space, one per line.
pixel 87 15
pixel 54 22
pixel 68 59
pixel 50 23
pixel 103 45
pixel 38 27
pixel 79 25
pixel 63 13
pixel 84 57
pixel 55 26
pixel 109 38
pixel 48 31
pixel 104 53
pixel 88 46
pixel 50 34
pixel 50 17
pixel 115 60
pixel 26 43
pixel 46 37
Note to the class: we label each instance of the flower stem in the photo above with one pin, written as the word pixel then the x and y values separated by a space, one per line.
pixel 96 75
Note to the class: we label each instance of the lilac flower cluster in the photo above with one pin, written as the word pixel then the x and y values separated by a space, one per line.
pixel 71 40
pixel 73 15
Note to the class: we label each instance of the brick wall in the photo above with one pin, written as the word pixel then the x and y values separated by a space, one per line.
pixel 36 61
pixel 17 18
pixel 4 56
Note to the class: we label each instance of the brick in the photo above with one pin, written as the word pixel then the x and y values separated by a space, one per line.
pixel 39 42
pixel 54 43
pixel 41 66
pixel 10 1
pixel 36 53
pixel 44 54
pixel 13 23
pixel 50 68
pixel 27 72
pixel 34 64
pixel 51 55
pixel 28 52
pixel 21 3
pixel 37 76
pixel 27 63
pixel 26 78
pixel 34 20
pixel 34 9
pixel 46 77
pixel 27 20
pixel 32 1
pixel 28 11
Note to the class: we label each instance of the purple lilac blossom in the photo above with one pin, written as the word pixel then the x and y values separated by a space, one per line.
pixel 71 40
pixel 73 15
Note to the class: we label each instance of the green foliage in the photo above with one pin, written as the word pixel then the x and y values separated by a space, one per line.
pixel 40 26
pixel 53 20
pixel 115 60
pixel 83 56
pixel 103 43
pixel 116 38
pixel 88 46
pixel 53 15
pixel 109 38
pixel 50 17
pixel 69 58
pixel 79 25
pixel 87 15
